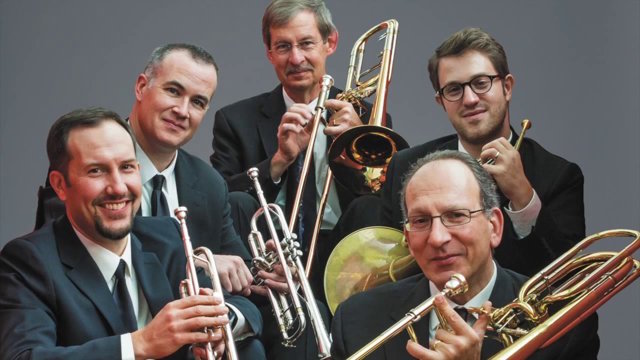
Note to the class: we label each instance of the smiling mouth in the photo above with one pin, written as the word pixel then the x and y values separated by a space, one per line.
pixel 115 206
pixel 174 124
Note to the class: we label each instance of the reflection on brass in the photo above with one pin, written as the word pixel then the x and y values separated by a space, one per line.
pixel 360 148
pixel 365 259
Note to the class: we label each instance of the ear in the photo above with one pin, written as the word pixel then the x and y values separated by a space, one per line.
pixel 58 183
pixel 496 222
pixel 406 238
pixel 269 54
pixel 141 83
pixel 440 102
pixel 507 86
pixel 332 42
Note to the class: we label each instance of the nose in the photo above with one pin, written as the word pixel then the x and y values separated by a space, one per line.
pixel 469 97
pixel 117 185
pixel 181 108
pixel 296 56
pixel 438 234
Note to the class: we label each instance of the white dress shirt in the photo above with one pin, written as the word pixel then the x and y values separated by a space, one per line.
pixel 476 301
pixel 107 263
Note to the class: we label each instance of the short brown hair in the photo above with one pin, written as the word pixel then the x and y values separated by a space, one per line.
pixel 465 40
pixel 280 12
pixel 57 150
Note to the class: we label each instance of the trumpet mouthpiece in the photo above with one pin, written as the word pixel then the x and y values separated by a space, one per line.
pixel 526 124
pixel 180 212
pixel 253 173
pixel 327 80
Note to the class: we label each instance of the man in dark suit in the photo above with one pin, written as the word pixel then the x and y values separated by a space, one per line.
pixel 452 224
pixel 271 131
pixel 541 194
pixel 60 293
pixel 173 94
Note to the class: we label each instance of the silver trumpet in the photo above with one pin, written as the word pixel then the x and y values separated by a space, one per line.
pixel 286 308
pixel 203 258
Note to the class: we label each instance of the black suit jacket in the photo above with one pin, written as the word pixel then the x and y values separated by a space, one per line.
pixel 245 136
pixel 54 302
pixel 558 183
pixel 204 192
pixel 364 316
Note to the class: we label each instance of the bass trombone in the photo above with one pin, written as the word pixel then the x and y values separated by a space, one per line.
pixel 289 314
pixel 202 257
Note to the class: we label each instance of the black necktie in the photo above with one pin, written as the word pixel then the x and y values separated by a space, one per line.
pixel 308 212
pixel 159 206
pixel 123 300
pixel 464 314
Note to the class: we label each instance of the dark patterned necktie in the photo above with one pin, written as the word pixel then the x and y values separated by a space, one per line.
pixel 159 206
pixel 308 212
pixel 123 300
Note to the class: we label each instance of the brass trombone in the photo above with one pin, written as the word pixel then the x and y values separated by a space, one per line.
pixel 358 158
pixel 580 282
pixel 373 256
pixel 456 285
pixel 289 314
pixel 202 257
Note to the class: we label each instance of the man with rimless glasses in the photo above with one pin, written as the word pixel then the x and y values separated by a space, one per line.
pixel 452 223
pixel 541 194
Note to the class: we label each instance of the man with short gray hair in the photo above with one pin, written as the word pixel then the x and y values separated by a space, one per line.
pixel 452 225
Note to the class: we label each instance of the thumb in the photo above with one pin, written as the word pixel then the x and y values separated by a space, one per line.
pixel 480 326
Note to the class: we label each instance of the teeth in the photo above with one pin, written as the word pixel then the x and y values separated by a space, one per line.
pixel 115 206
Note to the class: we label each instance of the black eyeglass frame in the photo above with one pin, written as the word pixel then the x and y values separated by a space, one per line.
pixel 470 82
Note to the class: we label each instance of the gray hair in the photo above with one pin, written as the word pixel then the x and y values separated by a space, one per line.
pixel 280 12
pixel 197 53
pixel 488 193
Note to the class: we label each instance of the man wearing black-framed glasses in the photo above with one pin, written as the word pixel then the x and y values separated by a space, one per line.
pixel 541 194
pixel 453 187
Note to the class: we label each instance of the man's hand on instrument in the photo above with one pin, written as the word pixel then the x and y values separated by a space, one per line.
pixel 343 118
pixel 275 280
pixel 235 276
pixel 464 343
pixel 180 323
pixel 293 138
pixel 508 172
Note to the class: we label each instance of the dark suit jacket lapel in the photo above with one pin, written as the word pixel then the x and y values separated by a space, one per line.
pixel 151 277
pixel 394 348
pixel 84 273
pixel 272 110
pixel 502 294
pixel 186 184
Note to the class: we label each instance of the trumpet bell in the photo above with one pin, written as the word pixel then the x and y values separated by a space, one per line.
pixel 365 259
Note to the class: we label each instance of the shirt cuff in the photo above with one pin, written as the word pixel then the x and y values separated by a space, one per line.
pixel 241 330
pixel 525 219
pixel 126 347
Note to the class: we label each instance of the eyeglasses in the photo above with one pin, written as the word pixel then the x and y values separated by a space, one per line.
pixel 284 48
pixel 449 219
pixel 479 85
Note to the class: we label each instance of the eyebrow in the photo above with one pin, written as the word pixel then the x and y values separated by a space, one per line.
pixel 182 88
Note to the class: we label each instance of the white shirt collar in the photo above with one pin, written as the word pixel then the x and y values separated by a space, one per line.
pixel 106 260
pixel 476 301
pixel 148 170
pixel 288 101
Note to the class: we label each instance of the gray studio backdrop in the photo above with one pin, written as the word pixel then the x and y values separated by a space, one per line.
pixel 575 64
